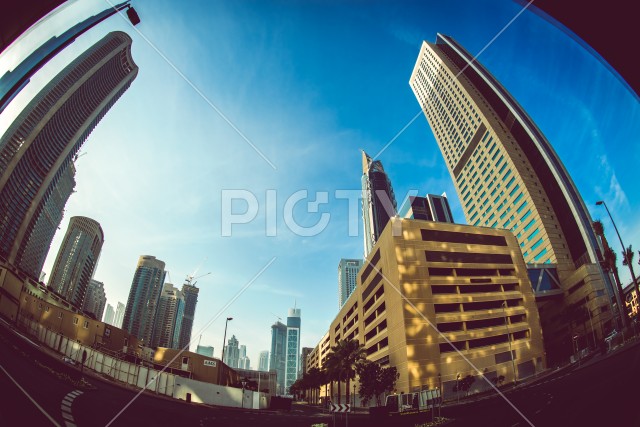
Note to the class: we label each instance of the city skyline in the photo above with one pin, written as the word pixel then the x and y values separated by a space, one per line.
pixel 319 125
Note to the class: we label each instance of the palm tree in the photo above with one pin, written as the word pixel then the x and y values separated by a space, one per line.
pixel 627 259
pixel 610 259
pixel 351 353
pixel 332 368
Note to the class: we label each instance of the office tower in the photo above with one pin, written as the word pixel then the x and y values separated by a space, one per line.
pixel 48 133
pixel 471 283
pixel 140 313
pixel 292 352
pixel 508 176
pixel 263 363
pixel 243 361
pixel 95 299
pixel 77 259
pixel 306 351
pixel 109 315
pixel 232 352
pixel 347 278
pixel 190 294
pixel 428 208
pixel 204 350
pixel 277 361
pixel 168 320
pixel 47 223
pixel 378 201
pixel 119 317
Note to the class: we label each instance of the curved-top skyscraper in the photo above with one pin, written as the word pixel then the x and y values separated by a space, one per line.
pixel 77 259
pixel 39 147
pixel 508 176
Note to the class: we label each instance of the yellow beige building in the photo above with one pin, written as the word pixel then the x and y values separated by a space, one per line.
pixel 439 302
pixel 508 176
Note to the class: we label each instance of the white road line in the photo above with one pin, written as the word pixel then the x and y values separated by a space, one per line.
pixel 65 406
pixel 69 424
pixel 67 417
pixel 54 422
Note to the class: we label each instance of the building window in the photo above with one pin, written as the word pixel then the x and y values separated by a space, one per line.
pixel 59 315
pixel 85 324
pixel 75 320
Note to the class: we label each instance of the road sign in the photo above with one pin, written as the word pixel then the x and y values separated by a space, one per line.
pixel 339 407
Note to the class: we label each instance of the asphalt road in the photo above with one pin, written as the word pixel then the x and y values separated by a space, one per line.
pixel 38 390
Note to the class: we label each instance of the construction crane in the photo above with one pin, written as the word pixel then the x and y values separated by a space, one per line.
pixel 277 317
pixel 190 280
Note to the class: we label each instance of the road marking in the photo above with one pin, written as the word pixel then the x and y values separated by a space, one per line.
pixel 31 398
pixel 65 406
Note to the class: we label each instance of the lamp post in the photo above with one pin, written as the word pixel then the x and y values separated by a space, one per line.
pixel 244 383
pixel 624 249
pixel 223 341
pixel 506 323
pixel 354 395
pixel 458 386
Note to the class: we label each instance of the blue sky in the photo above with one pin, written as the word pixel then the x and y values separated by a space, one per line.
pixel 309 84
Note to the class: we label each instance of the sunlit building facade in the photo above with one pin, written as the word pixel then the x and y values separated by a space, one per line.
pixel 109 315
pixel 77 259
pixel 438 297
pixel 119 317
pixel 38 148
pixel 508 176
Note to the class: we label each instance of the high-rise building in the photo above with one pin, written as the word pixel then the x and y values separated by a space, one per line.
pixel 95 299
pixel 292 352
pixel 378 200
pixel 465 285
pixel 190 294
pixel 306 351
pixel 508 176
pixel 140 313
pixel 119 317
pixel 277 361
pixel 428 208
pixel 39 146
pixel 204 350
pixel 263 363
pixel 243 360
pixel 232 352
pixel 47 223
pixel 109 315
pixel 347 278
pixel 168 320
pixel 77 259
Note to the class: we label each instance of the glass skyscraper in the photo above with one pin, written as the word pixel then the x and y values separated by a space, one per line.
pixel 508 176
pixel 144 295
pixel 378 201
pixel 168 320
pixel 347 278
pixel 190 295
pixel 277 361
pixel 77 259
pixel 38 148
pixel 292 352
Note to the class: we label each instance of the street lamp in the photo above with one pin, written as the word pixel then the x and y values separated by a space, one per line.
pixel 244 383
pixel 354 396
pixel 223 341
pixel 458 386
pixel 624 249
pixel 506 323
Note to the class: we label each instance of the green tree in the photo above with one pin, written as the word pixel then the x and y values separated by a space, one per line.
pixel 627 259
pixel 375 380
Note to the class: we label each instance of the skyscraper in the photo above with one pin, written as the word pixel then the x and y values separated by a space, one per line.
pixel 347 278
pixel 119 317
pixel 277 361
pixel 168 320
pixel 306 351
pixel 109 315
pixel 232 352
pixel 243 361
pixel 140 314
pixel 95 299
pixel 508 176
pixel 292 352
pixel 190 294
pixel 378 201
pixel 428 208
pixel 38 148
pixel 77 259
pixel 263 363
pixel 47 223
